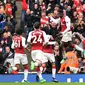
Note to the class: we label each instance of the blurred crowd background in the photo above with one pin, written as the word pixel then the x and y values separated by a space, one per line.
pixel 47 13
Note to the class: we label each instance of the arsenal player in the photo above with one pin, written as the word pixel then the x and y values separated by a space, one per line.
pixel 37 39
pixel 18 44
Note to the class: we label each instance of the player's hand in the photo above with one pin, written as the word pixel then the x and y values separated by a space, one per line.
pixel 51 37
pixel 45 44
pixel 29 50
pixel 60 35
pixel 25 26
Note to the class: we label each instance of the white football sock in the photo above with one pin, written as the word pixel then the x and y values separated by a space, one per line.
pixel 25 74
pixel 40 75
pixel 53 72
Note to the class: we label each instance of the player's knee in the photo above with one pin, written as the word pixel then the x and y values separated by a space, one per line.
pixel 53 65
pixel 38 69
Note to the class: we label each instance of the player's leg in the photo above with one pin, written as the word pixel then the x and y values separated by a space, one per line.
pixel 39 70
pixel 25 73
pixel 24 62
pixel 39 74
pixel 54 72
pixel 52 60
pixel 42 69
pixel 36 56
pixel 33 63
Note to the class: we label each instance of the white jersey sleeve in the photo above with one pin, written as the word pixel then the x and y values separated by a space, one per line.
pixel 51 42
pixel 23 42
pixel 13 45
pixel 45 37
pixel 29 37
pixel 55 20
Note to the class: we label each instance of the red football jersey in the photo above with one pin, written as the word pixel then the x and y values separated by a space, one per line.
pixel 37 38
pixel 18 44
pixel 9 9
pixel 48 48
pixel 44 20
pixel 65 23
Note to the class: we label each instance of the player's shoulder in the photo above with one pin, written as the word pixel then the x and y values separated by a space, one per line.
pixel 22 37
pixel 42 31
pixel 31 32
pixel 67 18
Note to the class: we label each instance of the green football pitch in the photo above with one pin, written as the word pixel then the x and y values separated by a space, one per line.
pixel 50 83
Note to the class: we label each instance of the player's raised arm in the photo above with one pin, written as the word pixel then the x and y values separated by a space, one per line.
pixel 13 45
pixel 23 42
pixel 45 38
pixel 29 38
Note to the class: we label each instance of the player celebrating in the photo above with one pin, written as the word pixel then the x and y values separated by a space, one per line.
pixel 49 54
pixel 18 44
pixel 37 39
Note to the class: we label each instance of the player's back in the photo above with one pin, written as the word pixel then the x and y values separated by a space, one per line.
pixel 18 44
pixel 37 39
pixel 48 48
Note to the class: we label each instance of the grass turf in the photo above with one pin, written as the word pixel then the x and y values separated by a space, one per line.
pixel 50 83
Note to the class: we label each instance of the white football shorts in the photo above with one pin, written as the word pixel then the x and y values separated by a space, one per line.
pixel 50 57
pixel 20 58
pixel 38 55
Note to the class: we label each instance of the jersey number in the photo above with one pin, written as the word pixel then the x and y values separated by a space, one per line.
pixel 39 39
pixel 17 43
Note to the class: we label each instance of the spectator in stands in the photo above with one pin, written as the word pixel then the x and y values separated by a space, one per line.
pixel 9 24
pixel 7 40
pixel 2 58
pixel 24 8
pixel 1 48
pixel 2 16
pixel 14 8
pixel 28 22
pixel 44 19
pixel 57 56
pixel 8 8
pixel 10 56
pixel 36 10
pixel 55 23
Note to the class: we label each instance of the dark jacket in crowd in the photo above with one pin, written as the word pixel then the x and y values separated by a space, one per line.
pixel 29 20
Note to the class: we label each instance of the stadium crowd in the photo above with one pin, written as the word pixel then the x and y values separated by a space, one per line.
pixel 63 20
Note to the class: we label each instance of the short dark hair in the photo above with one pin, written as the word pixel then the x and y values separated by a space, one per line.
pixel 36 25
pixel 19 31
pixel 61 13
pixel 69 49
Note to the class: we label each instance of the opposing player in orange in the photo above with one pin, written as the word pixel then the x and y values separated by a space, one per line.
pixel 71 61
